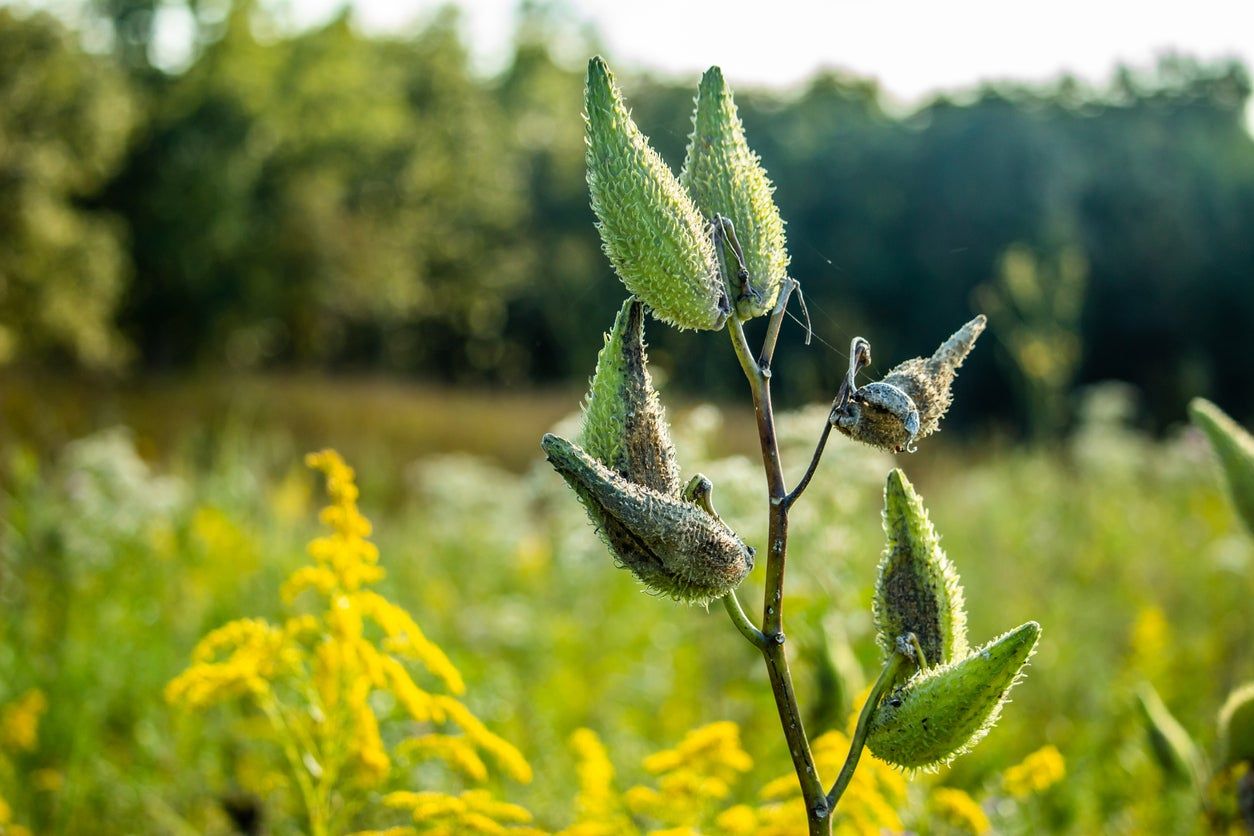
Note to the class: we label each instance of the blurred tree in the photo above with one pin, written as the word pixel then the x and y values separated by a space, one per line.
pixel 322 198
pixel 1036 303
pixel 64 121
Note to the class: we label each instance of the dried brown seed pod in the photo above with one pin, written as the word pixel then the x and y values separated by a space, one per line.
pixel 908 403
pixel 673 546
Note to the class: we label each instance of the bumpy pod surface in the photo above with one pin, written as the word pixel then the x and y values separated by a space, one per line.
pixel 1236 726
pixel 942 712
pixel 653 234
pixel 672 546
pixel 917 589
pixel 1234 448
pixel 624 425
pixel 726 178
pixel 909 402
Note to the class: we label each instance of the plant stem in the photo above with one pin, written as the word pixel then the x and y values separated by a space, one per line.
pixel 887 675
pixel 817 807
pixel 755 636
pixel 814 465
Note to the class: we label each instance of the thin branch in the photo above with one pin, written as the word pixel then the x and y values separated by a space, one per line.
pixel 737 613
pixel 767 356
pixel 814 465
pixel 887 675
pixel 859 356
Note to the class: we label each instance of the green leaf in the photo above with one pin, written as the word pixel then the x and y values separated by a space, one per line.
pixel 1172 745
pixel 1234 448
pixel 1236 726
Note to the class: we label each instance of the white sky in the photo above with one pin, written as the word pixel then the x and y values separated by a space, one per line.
pixel 913 48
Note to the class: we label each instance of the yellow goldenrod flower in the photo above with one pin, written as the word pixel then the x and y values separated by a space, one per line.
pixel 19 721
pixel 596 803
pixel 958 810
pixel 314 678
pixel 1036 773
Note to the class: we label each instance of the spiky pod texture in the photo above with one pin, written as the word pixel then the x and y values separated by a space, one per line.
pixel 652 232
pixel 940 713
pixel 908 404
pixel 1236 726
pixel 917 590
pixel 672 546
pixel 624 425
pixel 1234 447
pixel 726 178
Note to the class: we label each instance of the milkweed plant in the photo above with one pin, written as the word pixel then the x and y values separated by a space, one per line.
pixel 705 251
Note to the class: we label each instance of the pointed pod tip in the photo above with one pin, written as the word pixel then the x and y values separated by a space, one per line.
pixel 897 482
pixel 713 77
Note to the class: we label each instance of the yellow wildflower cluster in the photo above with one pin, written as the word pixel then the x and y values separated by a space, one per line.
pixel 869 805
pixel 958 811
pixel 19 732
pixel 699 773
pixel 693 777
pixel 314 675
pixel 19 721
pixel 1036 773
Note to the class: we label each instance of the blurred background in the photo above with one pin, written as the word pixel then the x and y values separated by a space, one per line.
pixel 232 232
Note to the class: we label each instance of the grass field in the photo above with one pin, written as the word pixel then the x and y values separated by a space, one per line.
pixel 136 520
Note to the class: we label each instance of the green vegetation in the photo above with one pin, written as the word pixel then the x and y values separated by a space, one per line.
pixel 324 199
pixel 111 569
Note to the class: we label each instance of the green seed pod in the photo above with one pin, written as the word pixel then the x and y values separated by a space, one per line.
pixel 1173 747
pixel 624 425
pixel 673 547
pixel 908 403
pixel 726 178
pixel 654 236
pixel 917 590
pixel 1234 448
pixel 942 712
pixel 1236 726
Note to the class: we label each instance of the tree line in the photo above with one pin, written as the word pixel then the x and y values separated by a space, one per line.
pixel 325 199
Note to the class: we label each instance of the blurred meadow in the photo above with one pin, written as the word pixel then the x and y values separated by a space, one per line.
pixel 302 238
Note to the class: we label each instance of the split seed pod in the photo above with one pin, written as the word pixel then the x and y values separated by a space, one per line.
pixel 917 590
pixel 1234 448
pixel 909 402
pixel 1236 726
pixel 624 425
pixel 653 234
pixel 726 178
pixel 942 712
pixel 673 546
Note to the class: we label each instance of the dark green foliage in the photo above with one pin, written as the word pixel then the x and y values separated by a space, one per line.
pixel 331 199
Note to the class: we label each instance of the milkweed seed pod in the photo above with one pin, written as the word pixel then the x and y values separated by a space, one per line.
pixel 909 402
pixel 726 178
pixel 917 589
pixel 1173 748
pixel 624 425
pixel 1234 448
pixel 940 713
pixel 1236 726
pixel 654 236
pixel 672 546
